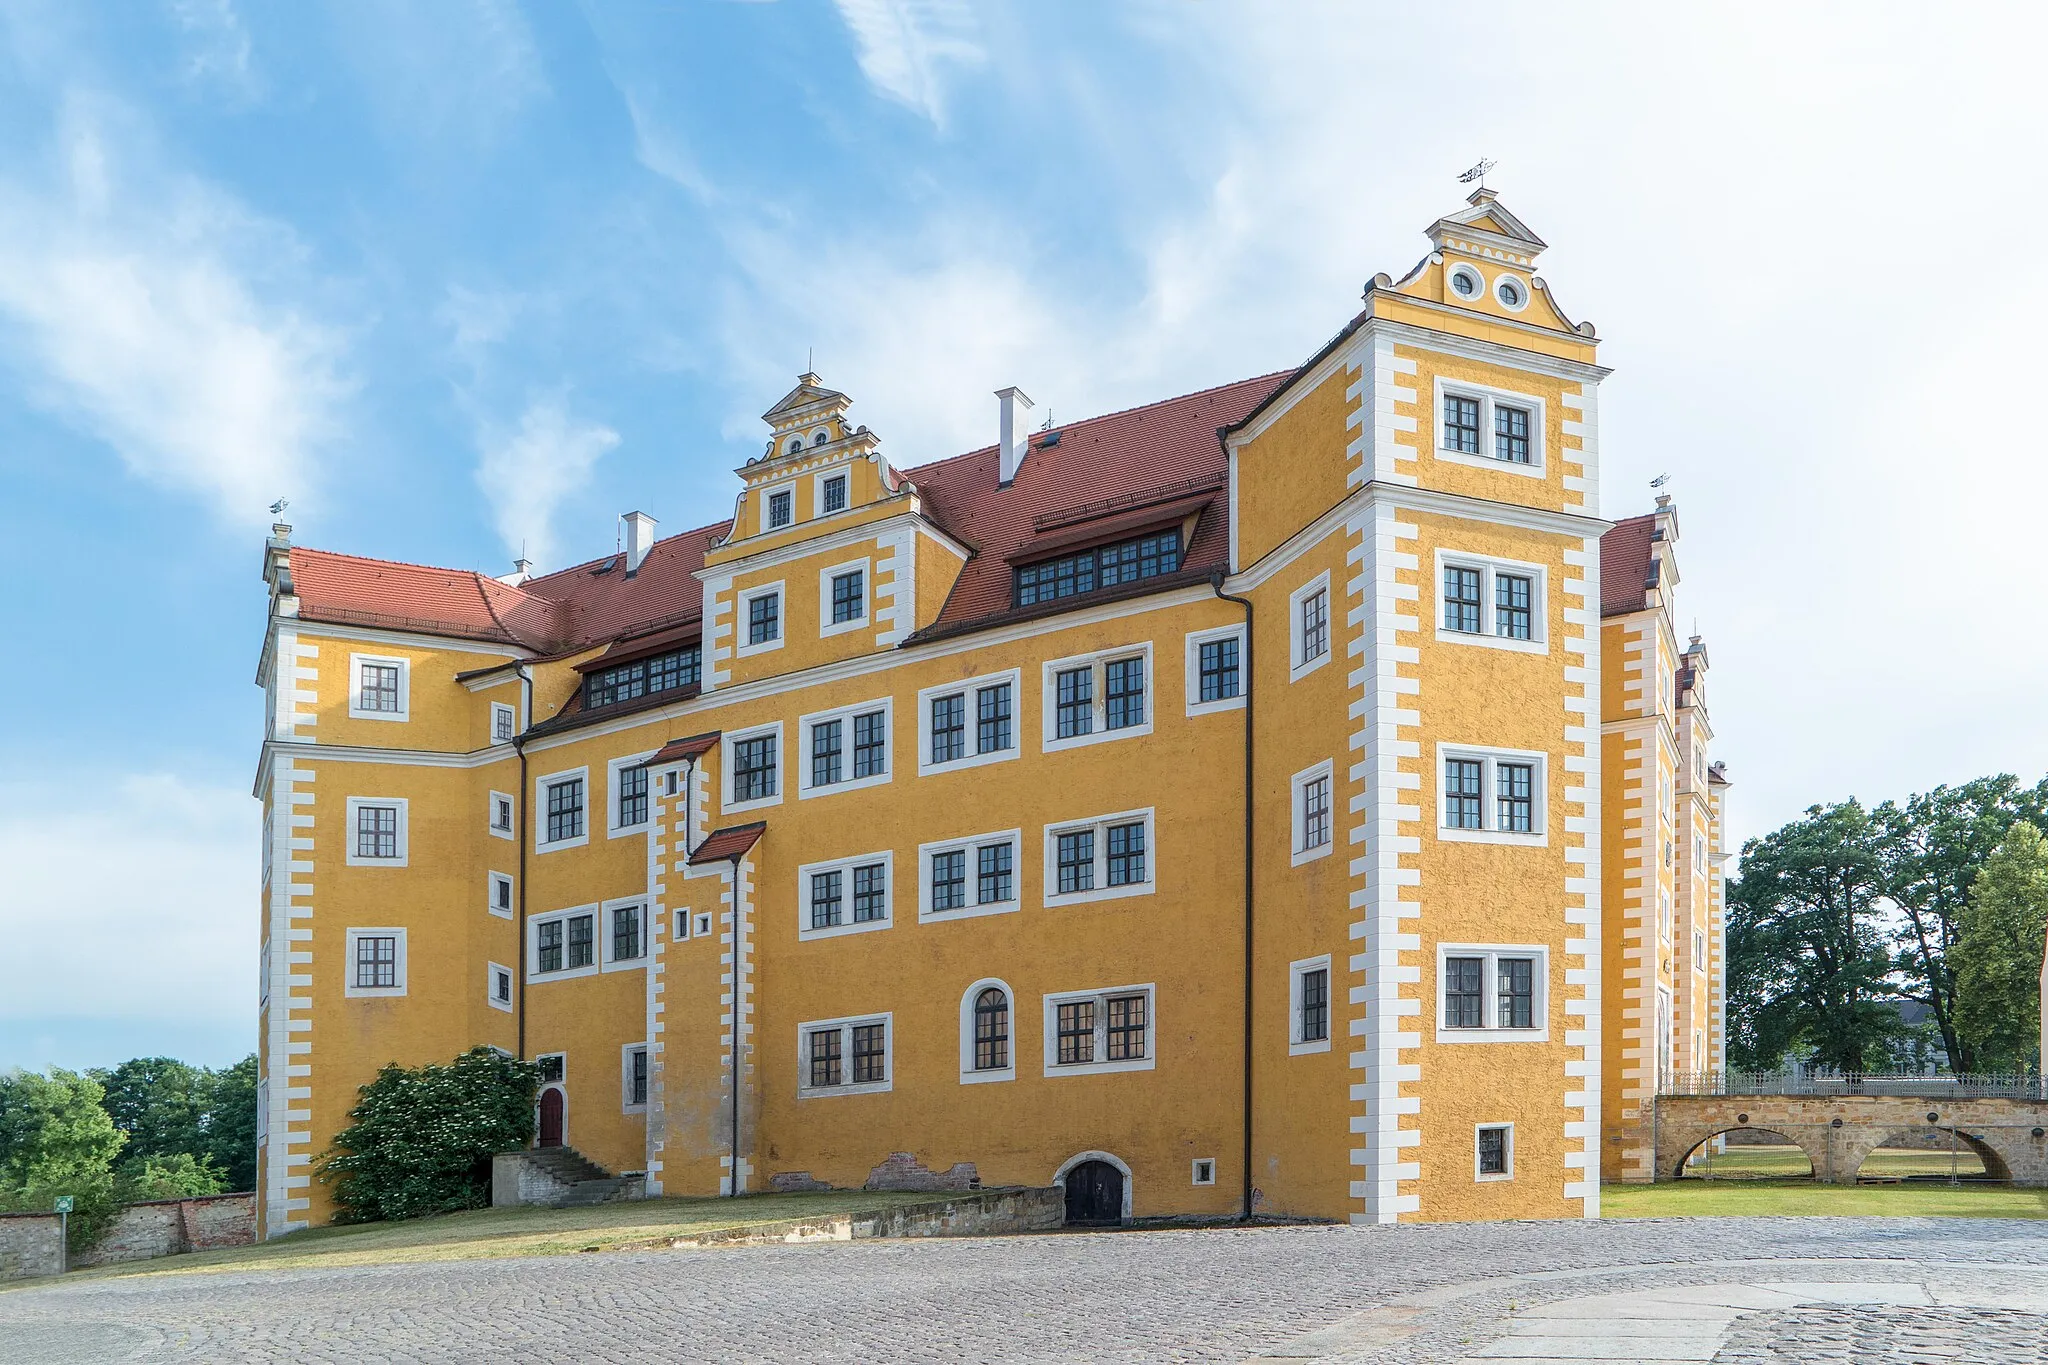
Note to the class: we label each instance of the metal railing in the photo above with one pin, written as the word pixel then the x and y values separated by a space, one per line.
pixel 1804 1081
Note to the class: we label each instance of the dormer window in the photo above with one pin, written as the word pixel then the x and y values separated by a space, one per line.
pixel 835 493
pixel 663 673
pixel 780 505
pixel 1127 561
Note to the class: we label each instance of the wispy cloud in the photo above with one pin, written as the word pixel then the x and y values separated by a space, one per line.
pixel 905 47
pixel 134 904
pixel 150 309
pixel 217 48
pixel 529 469
pixel 455 71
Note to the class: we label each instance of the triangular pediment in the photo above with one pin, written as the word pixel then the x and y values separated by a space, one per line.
pixel 1487 218
pixel 807 402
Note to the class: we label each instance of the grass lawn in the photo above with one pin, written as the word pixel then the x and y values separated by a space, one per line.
pixel 511 1232
pixel 1774 1180
pixel 1886 1163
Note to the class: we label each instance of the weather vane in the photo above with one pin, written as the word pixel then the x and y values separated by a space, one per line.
pixel 277 508
pixel 1478 172
pixel 1660 481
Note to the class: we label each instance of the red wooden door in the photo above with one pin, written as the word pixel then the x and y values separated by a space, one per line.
pixel 551 1117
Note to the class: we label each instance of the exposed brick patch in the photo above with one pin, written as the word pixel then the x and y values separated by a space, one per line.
pixel 903 1171
pixel 795 1182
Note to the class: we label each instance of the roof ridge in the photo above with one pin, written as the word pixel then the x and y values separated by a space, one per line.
pixel 398 563
pixel 614 554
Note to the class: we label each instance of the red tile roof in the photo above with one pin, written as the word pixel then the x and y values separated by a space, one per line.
pixel 683 750
pixel 724 845
pixel 1627 565
pixel 1108 468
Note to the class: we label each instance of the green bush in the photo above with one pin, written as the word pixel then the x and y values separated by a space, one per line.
pixel 182 1176
pixel 421 1139
pixel 55 1139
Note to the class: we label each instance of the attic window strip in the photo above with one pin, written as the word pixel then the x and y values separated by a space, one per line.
pixel 668 672
pixel 1105 566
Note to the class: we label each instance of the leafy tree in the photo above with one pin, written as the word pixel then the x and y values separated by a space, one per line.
pixel 166 1177
pixel 55 1139
pixel 1806 908
pixel 231 1123
pixel 1997 957
pixel 1931 849
pixel 160 1103
pixel 421 1139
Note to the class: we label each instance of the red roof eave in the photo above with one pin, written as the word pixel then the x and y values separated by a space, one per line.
pixel 728 845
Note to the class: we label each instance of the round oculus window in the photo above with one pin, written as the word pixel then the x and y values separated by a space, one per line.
pixel 1465 283
pixel 1510 293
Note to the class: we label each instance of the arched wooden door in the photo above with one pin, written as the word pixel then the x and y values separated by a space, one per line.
pixel 553 1117
pixel 1095 1194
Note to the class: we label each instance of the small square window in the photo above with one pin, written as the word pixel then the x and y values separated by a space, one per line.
pixel 564 803
pixel 375 964
pixel 1495 1157
pixel 1204 1170
pixel 754 768
pixel 1218 669
pixel 501 814
pixel 504 723
pixel 764 618
pixel 849 597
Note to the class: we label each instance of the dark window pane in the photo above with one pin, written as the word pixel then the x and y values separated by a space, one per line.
pixel 991 1030
pixel 1315 626
pixel 582 940
pixel 1126 561
pixel 1127 854
pixel 849 597
pixel 380 687
pixel 870 745
pixel 1511 606
pixel 1123 693
pixel 1126 1032
pixel 1315 813
pixel 549 949
pixel 779 509
pixel 992 719
pixel 753 775
pixel 949 728
pixel 1493 1151
pixel 825 769
pixel 870 894
pixel 1218 669
pixel 869 1057
pixel 626 933
pixel 1074 698
pixel 949 880
pixel 835 493
pixel 1076 1023
pixel 993 882
pixel 825 1057
pixel 376 831
pixel 764 618
pixel 636 1089
pixel 1315 1005
pixel 1462 808
pixel 1511 434
pixel 1076 859
pixel 1461 424
pixel 565 809
pixel 376 961
pixel 827 904
pixel 1515 786
pixel 1464 992
pixel 1461 599
pixel 632 797
pixel 1516 991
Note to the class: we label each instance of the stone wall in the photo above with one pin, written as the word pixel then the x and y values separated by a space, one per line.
pixel 171 1227
pixel 31 1244
pixel 1838 1131
pixel 982 1214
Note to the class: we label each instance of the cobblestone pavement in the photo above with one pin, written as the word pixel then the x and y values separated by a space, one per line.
pixel 1481 1292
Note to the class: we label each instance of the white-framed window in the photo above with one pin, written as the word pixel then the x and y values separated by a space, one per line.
pixel 968 723
pixel 844 750
pixel 760 625
pixel 779 505
pixel 979 875
pixel 378 831
pixel 1315 812
pixel 498 811
pixel 1309 1015
pixel 1664 915
pixel 1100 859
pixel 498 986
pixel 263 972
pixel 498 894
pixel 1493 1151
pixel 1490 428
pixel 844 1056
pixel 1095 697
pixel 1699 950
pixel 703 925
pixel 845 896
pixel 831 491
pixel 1492 796
pixel 753 768
pixel 625 933
pixel 1090 1032
pixel 504 722
pixel 1499 603
pixel 1308 627
pixel 1466 282
pixel 988 1032
pixel 843 592
pixel 1492 993
pixel 633 1078
pixel 375 963
pixel 1215 670
pixel 562 944
pixel 561 803
pixel 1202 1171
pixel 379 687
pixel 627 787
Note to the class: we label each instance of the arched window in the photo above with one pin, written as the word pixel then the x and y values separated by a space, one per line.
pixel 796 444
pixel 818 438
pixel 991 1030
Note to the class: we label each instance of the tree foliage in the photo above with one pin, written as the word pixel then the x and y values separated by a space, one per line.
pixel 421 1139
pixel 170 1109
pixel 1996 960
pixel 55 1139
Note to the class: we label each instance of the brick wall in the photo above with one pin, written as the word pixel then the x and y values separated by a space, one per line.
pixel 31 1244
pixel 169 1227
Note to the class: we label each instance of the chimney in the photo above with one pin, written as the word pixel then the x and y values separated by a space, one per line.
pixel 1014 434
pixel 522 569
pixel 639 539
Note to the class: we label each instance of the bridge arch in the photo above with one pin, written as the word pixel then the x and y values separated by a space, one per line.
pixel 1838 1131
pixel 1985 1146
pixel 1688 1141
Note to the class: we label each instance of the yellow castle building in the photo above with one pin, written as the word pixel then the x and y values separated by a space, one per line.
pixel 1278 798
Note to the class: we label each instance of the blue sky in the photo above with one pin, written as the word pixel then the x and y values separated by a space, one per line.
pixel 461 277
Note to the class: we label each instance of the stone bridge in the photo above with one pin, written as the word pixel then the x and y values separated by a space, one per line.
pixel 1838 1131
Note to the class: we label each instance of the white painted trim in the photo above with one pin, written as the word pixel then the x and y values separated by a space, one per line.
pixel 743 612
pixel 356 709
pixel 1509 1173
pixel 727 742
pixel 491 971
pixel 1489 758
pixel 1102 890
pixel 510 829
pixel 806 1091
pixel 970 690
pixel 843 470
pixel 845 866
pixel 1299 666
pixel 1488 568
pixel 1522 286
pixel 612 769
pixel 492 882
pixel 766 493
pixel 539 797
pixel 1297 1046
pixel 968 1075
pixel 1049 1023
pixel 971 845
pixel 357 803
pixel 1297 789
pixel 534 975
pixel 845 716
pixel 349 988
pixel 878 530
pixel 1478 277
pixel 605 929
pixel 406 639
pixel 1097 663
pixel 1059 1177
pixel 826 625
pixel 1488 1031
pixel 1491 397
pixel 1191 671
